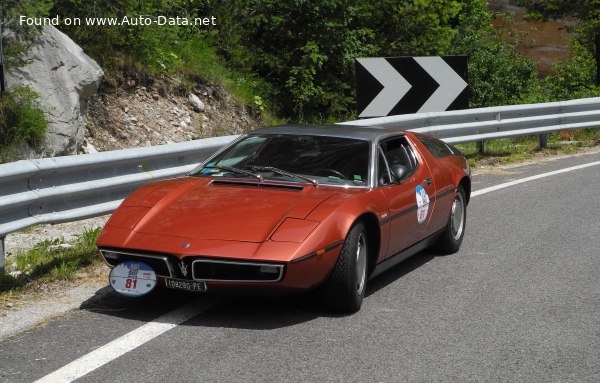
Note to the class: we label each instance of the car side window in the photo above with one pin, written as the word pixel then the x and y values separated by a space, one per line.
pixel 395 153
pixel 439 148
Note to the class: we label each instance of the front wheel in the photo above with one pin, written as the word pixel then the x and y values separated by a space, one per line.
pixel 454 232
pixel 345 289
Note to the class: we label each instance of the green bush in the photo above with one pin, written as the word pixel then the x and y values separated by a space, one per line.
pixel 21 120
pixel 199 60
pixel 498 74
pixel 297 57
pixel 307 48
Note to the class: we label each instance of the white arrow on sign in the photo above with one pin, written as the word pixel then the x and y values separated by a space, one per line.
pixel 394 86
pixel 451 84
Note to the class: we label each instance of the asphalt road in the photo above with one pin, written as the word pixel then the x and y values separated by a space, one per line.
pixel 520 302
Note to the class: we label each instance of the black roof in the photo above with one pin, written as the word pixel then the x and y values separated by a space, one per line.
pixel 370 133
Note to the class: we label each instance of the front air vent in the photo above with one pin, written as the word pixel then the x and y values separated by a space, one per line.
pixel 256 185
pixel 232 271
pixel 159 262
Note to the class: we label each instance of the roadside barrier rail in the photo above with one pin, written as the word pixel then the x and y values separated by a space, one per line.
pixel 482 124
pixel 70 188
pixel 63 189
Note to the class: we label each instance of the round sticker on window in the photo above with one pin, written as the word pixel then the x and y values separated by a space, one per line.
pixel 422 204
pixel 132 279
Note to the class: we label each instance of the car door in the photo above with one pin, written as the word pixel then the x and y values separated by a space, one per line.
pixel 433 152
pixel 408 198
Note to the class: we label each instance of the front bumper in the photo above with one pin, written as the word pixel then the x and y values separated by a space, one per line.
pixel 233 275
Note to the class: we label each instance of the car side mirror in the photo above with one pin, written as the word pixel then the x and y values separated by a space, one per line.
pixel 399 171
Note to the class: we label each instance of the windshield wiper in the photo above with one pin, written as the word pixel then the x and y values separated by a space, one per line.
pixel 285 173
pixel 234 170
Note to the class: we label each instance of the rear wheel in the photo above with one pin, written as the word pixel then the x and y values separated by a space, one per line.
pixel 454 232
pixel 345 289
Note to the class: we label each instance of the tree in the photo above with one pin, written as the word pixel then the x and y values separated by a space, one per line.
pixel 498 74
pixel 19 36
pixel 306 48
pixel 587 12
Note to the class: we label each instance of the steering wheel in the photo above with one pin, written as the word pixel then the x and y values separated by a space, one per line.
pixel 334 172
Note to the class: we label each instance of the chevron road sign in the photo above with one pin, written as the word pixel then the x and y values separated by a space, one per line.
pixel 399 85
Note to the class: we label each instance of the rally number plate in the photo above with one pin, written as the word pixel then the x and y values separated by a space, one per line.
pixel 183 284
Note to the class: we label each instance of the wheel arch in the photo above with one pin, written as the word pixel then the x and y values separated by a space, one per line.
pixel 373 235
pixel 465 182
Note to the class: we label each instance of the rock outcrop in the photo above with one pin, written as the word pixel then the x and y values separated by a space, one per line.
pixel 64 77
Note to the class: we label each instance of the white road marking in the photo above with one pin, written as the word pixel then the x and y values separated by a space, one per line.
pixel 526 179
pixel 151 330
pixel 127 342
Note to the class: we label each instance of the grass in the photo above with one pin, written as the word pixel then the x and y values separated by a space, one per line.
pixel 192 62
pixel 48 261
pixel 199 58
pixel 512 150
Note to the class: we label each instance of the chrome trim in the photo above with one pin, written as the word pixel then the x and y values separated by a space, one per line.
pixel 416 155
pixel 279 278
pixel 221 150
pixel 370 166
pixel 164 258
pixel 314 253
pixel 387 165
pixel 289 184
pixel 346 186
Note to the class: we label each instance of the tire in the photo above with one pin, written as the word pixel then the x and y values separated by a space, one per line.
pixel 453 234
pixel 345 289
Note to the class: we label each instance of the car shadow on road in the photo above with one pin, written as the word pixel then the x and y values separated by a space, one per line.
pixel 245 312
pixel 399 271
pixel 107 302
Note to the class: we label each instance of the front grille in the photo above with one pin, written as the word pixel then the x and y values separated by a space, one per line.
pixel 233 271
pixel 159 263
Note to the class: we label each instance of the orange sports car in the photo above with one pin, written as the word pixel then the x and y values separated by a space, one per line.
pixel 289 209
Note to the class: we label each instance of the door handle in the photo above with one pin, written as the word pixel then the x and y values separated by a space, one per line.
pixel 427 181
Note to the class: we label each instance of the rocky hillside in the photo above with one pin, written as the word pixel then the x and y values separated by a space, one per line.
pixel 87 113
pixel 136 115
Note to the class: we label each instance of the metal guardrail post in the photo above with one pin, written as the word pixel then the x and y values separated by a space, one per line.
pixel 481 147
pixel 544 141
pixel 2 82
pixel 2 254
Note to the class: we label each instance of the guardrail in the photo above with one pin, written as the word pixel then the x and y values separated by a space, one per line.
pixel 471 125
pixel 62 189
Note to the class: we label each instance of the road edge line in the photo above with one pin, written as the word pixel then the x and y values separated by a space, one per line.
pixel 531 178
pixel 126 343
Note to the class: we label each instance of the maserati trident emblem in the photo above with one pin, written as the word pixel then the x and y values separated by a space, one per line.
pixel 184 269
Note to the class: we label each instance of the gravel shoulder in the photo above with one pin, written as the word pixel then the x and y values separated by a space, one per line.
pixel 25 239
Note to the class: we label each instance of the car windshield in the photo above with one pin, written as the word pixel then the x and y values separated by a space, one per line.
pixel 298 158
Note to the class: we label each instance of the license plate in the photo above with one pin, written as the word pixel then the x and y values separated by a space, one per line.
pixel 182 284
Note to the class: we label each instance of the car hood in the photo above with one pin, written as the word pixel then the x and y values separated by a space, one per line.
pixel 222 210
